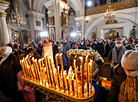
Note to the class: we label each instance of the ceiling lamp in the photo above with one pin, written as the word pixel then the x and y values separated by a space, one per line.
pixel 16 17
pixel 109 13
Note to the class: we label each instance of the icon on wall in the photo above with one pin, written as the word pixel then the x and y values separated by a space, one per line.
pixel 79 28
pixel 51 20
pixel 66 19
pixel 25 36
pixel 52 33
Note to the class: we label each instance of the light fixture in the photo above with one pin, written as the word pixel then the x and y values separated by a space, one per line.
pixel 16 17
pixel 109 13
pixel 43 34
pixel 73 34
pixel 89 3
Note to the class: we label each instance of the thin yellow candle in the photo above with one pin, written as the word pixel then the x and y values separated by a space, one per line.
pixel 33 73
pixel 76 76
pixel 58 77
pixel 52 74
pixel 68 84
pixel 87 74
pixel 62 71
pixel 47 70
pixel 56 60
pixel 23 69
pixel 37 69
pixel 39 62
pixel 72 81
pixel 82 80
pixel 91 71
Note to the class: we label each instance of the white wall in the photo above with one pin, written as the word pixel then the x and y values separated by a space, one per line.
pixel 120 20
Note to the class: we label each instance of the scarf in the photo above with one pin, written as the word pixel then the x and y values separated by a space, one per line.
pixel 117 58
pixel 128 90
pixel 7 53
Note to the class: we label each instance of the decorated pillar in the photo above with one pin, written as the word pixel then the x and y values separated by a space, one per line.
pixel 57 12
pixel 3 26
pixel 35 20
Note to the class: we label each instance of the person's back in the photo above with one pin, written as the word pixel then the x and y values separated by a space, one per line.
pixel 100 48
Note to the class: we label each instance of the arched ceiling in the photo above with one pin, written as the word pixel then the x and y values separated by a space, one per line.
pixel 75 4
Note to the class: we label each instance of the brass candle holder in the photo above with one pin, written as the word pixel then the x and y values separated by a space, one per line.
pixel 44 77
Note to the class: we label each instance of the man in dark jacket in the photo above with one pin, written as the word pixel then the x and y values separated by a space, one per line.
pixel 128 43
pixel 100 47
pixel 66 46
pixel 82 46
pixel 55 49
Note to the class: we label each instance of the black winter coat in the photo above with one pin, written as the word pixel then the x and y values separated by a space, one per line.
pixel 8 71
pixel 119 77
pixel 84 47
pixel 100 48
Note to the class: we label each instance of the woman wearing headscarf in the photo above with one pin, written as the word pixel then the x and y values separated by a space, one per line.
pixel 125 83
pixel 9 67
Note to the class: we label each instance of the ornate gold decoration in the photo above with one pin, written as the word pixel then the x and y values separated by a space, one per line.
pixel 16 17
pixel 111 21
pixel 57 95
pixel 109 13
pixel 2 1
pixel 117 6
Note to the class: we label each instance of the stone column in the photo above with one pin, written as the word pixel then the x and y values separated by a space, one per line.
pixel 55 8
pixel 33 18
pixel 3 26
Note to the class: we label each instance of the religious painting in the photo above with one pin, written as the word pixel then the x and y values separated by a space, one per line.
pixel 79 28
pixel 72 13
pixel 51 20
pixel 66 18
pixel 65 1
pixel 79 35
pixel 25 36
pixel 15 36
pixel 38 23
pixel 93 35
pixel 133 34
pixel 112 34
pixel 52 33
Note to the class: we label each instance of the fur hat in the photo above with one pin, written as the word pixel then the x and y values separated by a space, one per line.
pixel 130 60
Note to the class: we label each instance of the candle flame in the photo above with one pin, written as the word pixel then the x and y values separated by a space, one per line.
pixel 74 61
pixel 57 54
pixel 81 58
pixel 46 54
pixel 87 56
pixel 89 63
pixel 91 60
pixel 61 54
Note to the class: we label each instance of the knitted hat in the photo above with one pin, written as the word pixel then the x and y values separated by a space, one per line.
pixel 130 60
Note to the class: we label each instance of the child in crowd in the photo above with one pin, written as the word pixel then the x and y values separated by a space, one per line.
pixel 28 92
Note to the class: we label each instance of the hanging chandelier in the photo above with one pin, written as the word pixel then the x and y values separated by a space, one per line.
pixel 16 17
pixel 109 13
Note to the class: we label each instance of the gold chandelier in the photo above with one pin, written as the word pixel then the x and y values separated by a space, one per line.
pixel 109 13
pixel 16 17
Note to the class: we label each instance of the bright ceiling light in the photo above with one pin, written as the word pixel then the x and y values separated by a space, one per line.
pixel 43 34
pixel 73 34
pixel 89 3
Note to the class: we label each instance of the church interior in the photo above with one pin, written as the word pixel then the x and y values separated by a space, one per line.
pixel 69 39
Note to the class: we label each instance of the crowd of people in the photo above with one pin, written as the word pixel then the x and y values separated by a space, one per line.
pixel 121 53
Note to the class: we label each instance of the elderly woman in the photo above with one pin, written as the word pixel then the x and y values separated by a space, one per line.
pixel 9 67
pixel 125 83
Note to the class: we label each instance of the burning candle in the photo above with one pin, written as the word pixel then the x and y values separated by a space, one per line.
pixel 56 60
pixel 87 74
pixel 32 68
pixel 76 76
pixel 62 71
pixel 82 80
pixel 23 69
